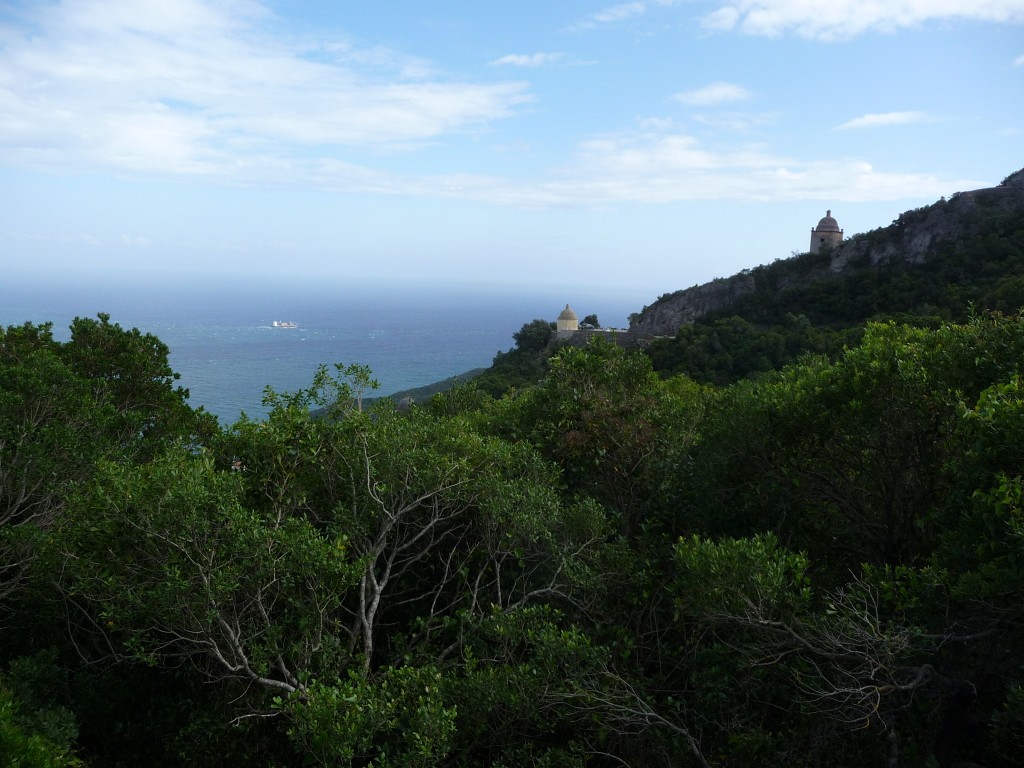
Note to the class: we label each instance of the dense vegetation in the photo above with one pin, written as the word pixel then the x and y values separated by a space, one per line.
pixel 799 305
pixel 791 535
pixel 819 567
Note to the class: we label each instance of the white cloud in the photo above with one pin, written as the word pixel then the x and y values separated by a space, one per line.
pixel 883 119
pixel 1019 61
pixel 663 124
pixel 527 60
pixel 211 88
pixel 653 166
pixel 841 19
pixel 670 167
pixel 136 242
pixel 736 122
pixel 621 12
pixel 713 94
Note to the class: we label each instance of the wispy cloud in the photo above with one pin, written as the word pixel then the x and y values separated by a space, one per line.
pixel 137 241
pixel 1019 61
pixel 658 164
pixel 713 94
pixel 884 119
pixel 213 89
pixel 736 122
pixel 527 60
pixel 842 19
pixel 620 12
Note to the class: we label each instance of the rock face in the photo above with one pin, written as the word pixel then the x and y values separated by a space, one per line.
pixel 668 313
pixel 911 238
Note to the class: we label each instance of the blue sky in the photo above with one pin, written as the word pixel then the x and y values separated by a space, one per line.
pixel 638 147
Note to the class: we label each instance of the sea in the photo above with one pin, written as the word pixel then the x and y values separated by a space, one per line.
pixel 223 342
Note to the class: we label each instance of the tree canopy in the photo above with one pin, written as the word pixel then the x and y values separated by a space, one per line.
pixel 603 567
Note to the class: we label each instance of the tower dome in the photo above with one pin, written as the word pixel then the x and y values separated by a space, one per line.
pixel 827 234
pixel 828 224
pixel 567 321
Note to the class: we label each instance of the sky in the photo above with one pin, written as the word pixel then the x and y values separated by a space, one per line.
pixel 634 148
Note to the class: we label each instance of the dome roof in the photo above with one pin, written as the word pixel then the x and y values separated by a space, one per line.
pixel 828 224
pixel 567 314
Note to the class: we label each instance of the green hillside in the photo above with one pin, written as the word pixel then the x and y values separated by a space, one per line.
pixel 803 304
pixel 972 261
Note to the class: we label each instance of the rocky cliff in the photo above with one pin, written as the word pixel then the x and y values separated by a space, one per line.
pixel 910 239
pixel 663 317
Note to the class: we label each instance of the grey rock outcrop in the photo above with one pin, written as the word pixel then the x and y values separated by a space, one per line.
pixel 669 312
pixel 914 234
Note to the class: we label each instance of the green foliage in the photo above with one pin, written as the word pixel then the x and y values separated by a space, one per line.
pixel 874 459
pixel 609 423
pixel 727 349
pixel 849 459
pixel 819 566
pixel 329 396
pixel 48 444
pixel 41 684
pixel 462 399
pixel 129 371
pixel 399 719
pixel 201 576
pixel 302 551
pixel 106 394
pixel 524 365
pixel 533 336
pixel 733 575
pixel 24 738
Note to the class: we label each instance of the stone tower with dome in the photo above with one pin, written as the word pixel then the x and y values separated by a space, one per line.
pixel 567 323
pixel 827 234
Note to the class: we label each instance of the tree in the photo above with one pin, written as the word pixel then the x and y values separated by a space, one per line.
pixel 50 428
pixel 522 366
pixel 106 394
pixel 533 336
pixel 838 671
pixel 129 371
pixel 349 557
pixel 197 576
pixel 609 423
pixel 895 470
pixel 24 746
pixel 848 459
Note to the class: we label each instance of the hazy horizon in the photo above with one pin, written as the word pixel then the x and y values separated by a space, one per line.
pixel 639 147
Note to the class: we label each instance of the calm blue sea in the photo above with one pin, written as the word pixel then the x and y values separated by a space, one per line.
pixel 224 346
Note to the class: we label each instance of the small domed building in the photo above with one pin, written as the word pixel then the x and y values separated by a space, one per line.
pixel 827 234
pixel 567 323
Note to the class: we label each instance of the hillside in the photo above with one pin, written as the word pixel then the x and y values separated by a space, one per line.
pixel 932 264
pixel 971 241
pixel 935 263
pixel 424 393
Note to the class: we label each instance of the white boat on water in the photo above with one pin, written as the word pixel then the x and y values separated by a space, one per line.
pixel 284 324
